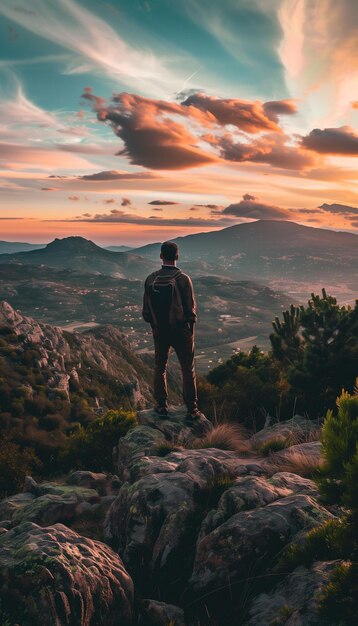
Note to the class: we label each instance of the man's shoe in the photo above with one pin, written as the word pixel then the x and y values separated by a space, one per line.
pixel 162 411
pixel 194 416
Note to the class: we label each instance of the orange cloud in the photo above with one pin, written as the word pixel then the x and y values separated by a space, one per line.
pixel 342 141
pixel 270 149
pixel 155 140
pixel 150 139
pixel 116 175
pixel 251 117
pixel 250 207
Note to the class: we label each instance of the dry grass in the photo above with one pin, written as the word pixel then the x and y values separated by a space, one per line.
pixel 276 444
pixel 225 436
pixel 303 436
pixel 300 463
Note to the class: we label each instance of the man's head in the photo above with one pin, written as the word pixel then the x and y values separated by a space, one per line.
pixel 169 252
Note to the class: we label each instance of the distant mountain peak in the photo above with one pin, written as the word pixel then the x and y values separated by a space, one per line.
pixel 73 244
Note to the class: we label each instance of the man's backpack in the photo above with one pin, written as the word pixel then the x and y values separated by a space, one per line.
pixel 165 301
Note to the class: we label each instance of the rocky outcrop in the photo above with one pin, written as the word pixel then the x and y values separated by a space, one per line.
pixel 61 356
pixel 200 532
pixel 54 577
pixel 194 526
pixel 99 481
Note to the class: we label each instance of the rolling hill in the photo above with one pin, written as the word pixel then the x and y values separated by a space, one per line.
pixel 9 247
pixel 277 253
pixel 232 313
pixel 83 255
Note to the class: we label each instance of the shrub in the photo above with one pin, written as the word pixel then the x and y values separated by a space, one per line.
pixel 245 388
pixel 326 542
pixel 340 441
pixel 318 345
pixel 91 447
pixel 15 464
pixel 337 539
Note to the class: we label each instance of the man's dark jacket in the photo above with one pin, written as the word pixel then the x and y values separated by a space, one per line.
pixel 186 290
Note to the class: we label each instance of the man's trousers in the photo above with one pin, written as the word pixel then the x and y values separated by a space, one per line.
pixel 180 338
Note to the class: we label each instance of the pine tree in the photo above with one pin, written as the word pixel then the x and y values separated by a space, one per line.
pixel 286 341
pixel 318 344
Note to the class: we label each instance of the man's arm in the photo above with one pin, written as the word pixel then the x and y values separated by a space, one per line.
pixel 188 300
pixel 146 313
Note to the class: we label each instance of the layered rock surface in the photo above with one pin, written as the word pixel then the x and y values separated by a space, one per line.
pixel 195 526
pixel 55 577
pixel 198 530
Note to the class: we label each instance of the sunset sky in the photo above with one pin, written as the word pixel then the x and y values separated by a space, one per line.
pixel 129 121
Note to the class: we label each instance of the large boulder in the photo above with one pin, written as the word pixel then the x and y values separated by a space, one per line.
pixel 54 577
pixel 247 545
pixel 295 483
pixel 154 521
pixel 293 601
pixel 248 492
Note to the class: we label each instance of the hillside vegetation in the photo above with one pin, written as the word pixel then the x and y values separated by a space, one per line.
pixel 314 355
pixel 53 383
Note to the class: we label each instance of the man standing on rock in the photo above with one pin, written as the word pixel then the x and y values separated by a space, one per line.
pixel 169 307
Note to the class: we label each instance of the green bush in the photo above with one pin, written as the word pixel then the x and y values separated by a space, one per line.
pixel 340 442
pixel 245 388
pixel 330 541
pixel 91 447
pixel 15 464
pixel 337 539
pixel 318 345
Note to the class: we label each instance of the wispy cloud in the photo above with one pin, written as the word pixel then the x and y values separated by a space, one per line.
pixel 16 108
pixel 117 216
pixel 95 44
pixel 238 27
pixel 324 31
pixel 108 175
